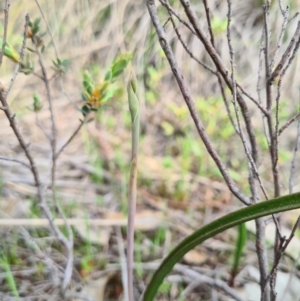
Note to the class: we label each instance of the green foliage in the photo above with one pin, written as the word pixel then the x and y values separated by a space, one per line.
pixel 167 127
pixel 35 26
pixel 96 94
pixel 285 203
pixel 27 67
pixel 168 161
pixel 239 247
pixel 37 105
pixel 153 78
pixel 160 236
pixel 138 254
pixel 218 25
pixel 10 52
pixel 165 288
pixel 60 65
pixel 10 280
pixel 219 126
pixel 117 67
pixel 35 34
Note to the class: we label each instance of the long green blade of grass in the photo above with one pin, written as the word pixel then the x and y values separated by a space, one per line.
pixel 285 203
pixel 9 276
pixel 238 252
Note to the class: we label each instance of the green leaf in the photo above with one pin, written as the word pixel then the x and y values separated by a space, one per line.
pixel 35 29
pixel 239 247
pixel 37 105
pixel 85 95
pixel 85 110
pixel 109 94
pixel 88 87
pixel 167 127
pixel 60 65
pixel 88 78
pixel 10 52
pixel 4 264
pixel 218 25
pixel 37 21
pixel 104 86
pixel 108 75
pixel 30 49
pixel 65 63
pixel 119 66
pixel 281 204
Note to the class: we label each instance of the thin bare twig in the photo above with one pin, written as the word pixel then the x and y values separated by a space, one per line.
pixel 186 48
pixel 288 123
pixel 224 72
pixel 293 17
pixel 253 171
pixel 191 105
pixel 293 162
pixel 15 160
pixel 22 53
pixel 268 294
pixel 141 223
pixel 293 55
pixel 68 242
pixel 219 77
pixel 285 14
pixel 212 38
pixel 281 75
pixel 258 88
pixel 41 127
pixel 208 280
pixel 285 56
pixel 283 245
pixel 76 296
pixel 71 137
pixel 34 170
pixel 6 14
pixel 290 55
pixel 48 27
pixel 282 10
pixel 234 94
pixel 215 72
pixel 166 4
pixel 257 103
pixel 40 189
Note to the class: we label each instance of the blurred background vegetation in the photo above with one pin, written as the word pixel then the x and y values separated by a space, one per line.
pixel 175 172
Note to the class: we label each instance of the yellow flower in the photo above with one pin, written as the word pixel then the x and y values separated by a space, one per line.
pixel 95 98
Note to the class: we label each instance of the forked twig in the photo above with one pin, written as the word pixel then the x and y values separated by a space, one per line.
pixel 191 105
pixel 236 109
pixel 6 14
pixel 15 160
pixel 68 243
pixel 82 122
